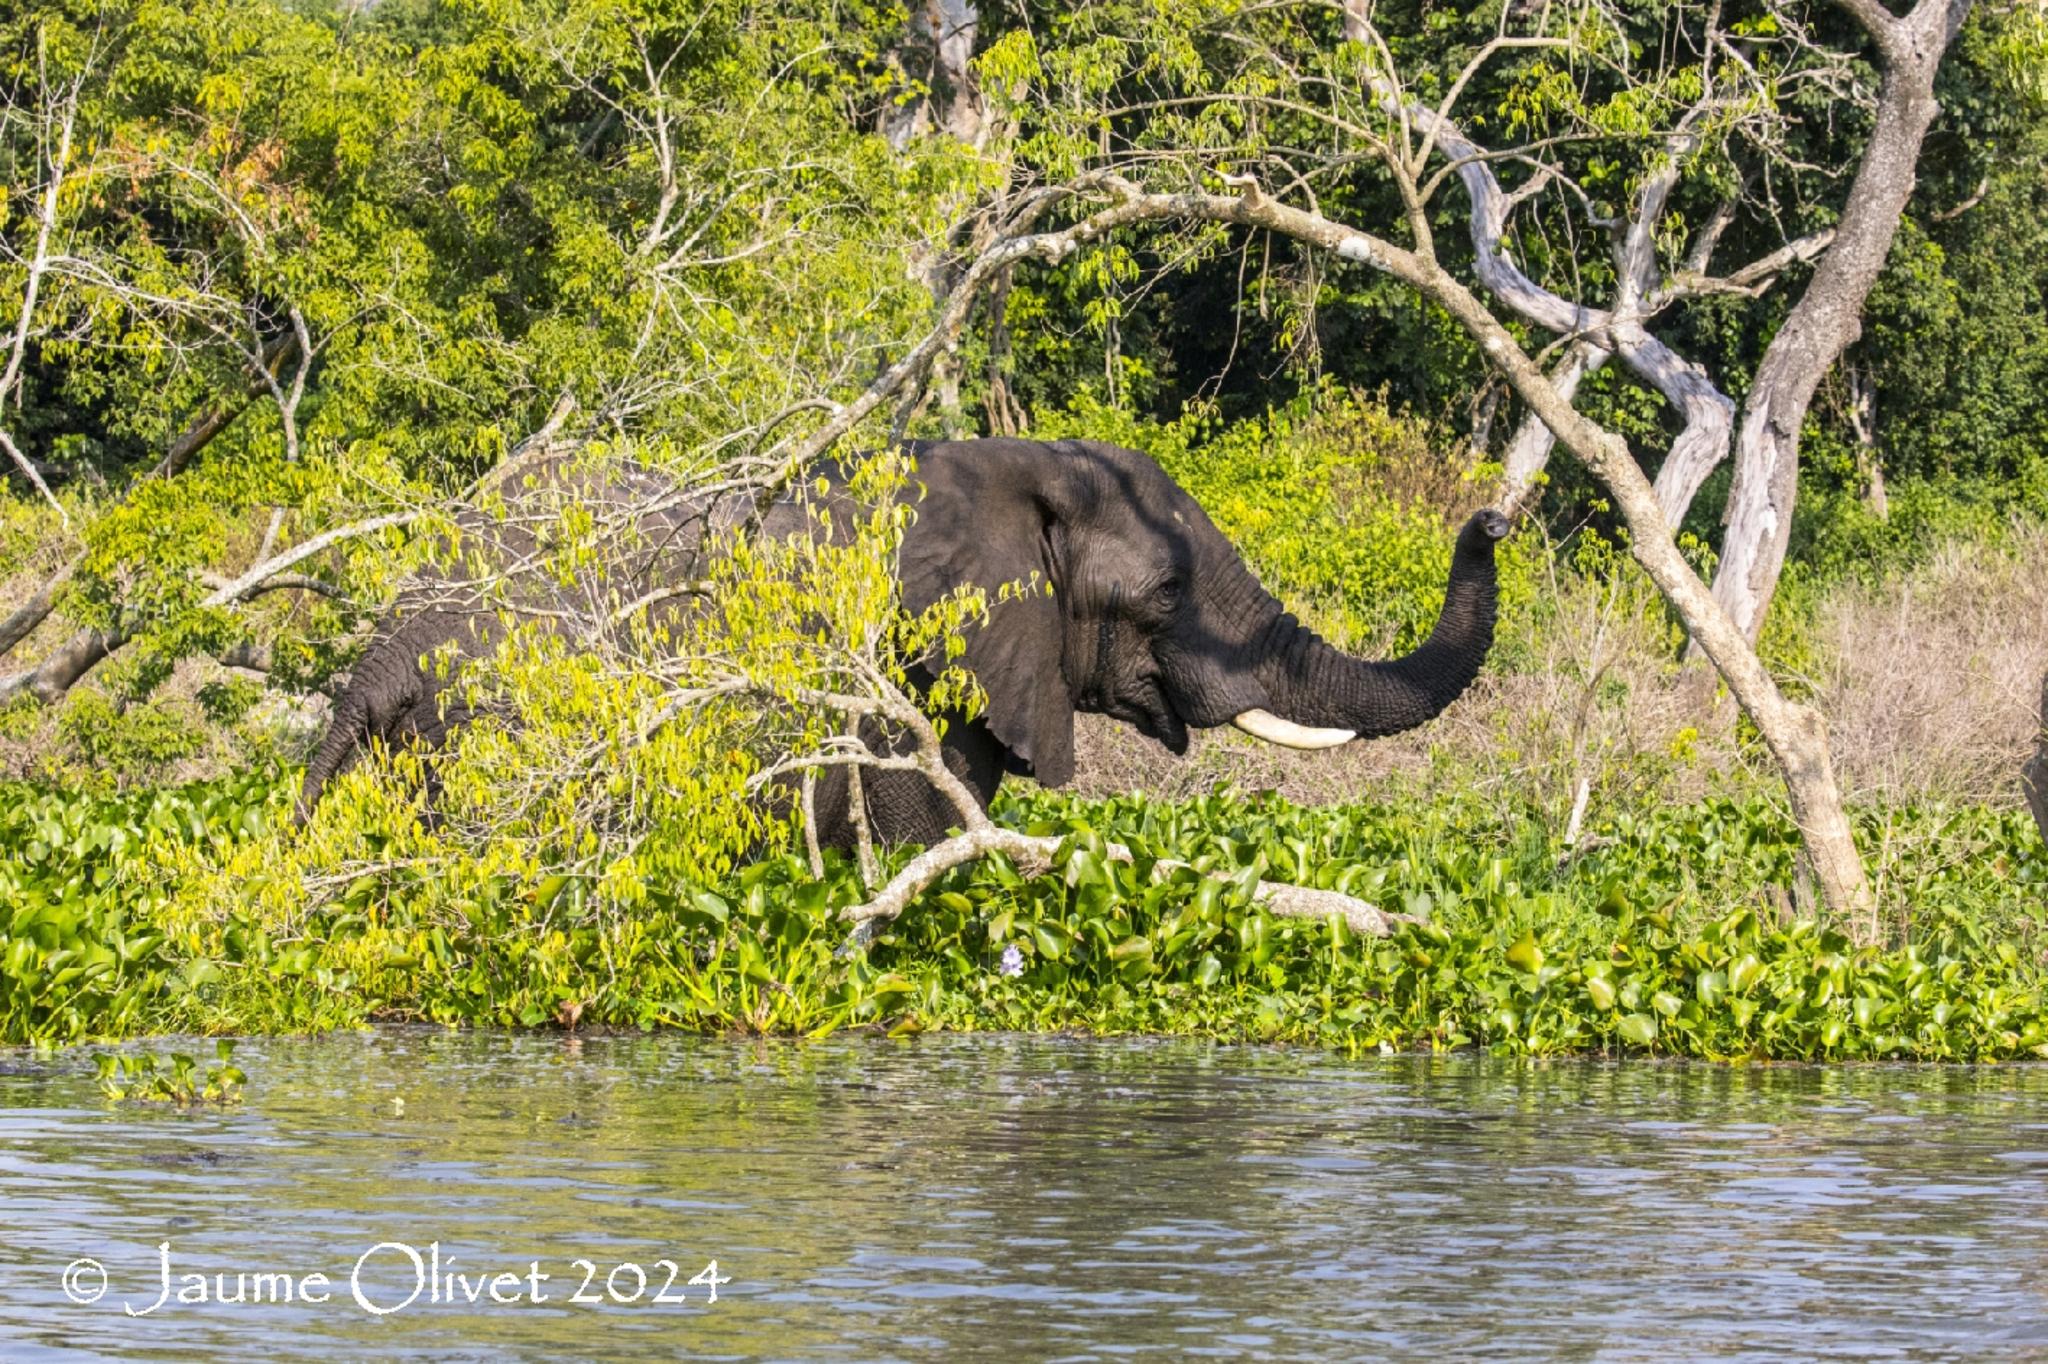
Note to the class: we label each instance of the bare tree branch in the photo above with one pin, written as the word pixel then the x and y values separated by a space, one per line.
pixel 1033 855
pixel 1795 733
pixel 58 124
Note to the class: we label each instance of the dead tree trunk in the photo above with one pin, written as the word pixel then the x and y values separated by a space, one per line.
pixel 934 56
pixel 934 59
pixel 1529 453
pixel 1795 733
pixel 1829 316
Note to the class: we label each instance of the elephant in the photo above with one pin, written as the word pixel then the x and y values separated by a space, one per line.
pixel 1153 619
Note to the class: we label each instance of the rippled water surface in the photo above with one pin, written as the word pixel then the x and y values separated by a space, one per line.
pixel 1025 1198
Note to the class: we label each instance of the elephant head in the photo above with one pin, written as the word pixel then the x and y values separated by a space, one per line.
pixel 1152 617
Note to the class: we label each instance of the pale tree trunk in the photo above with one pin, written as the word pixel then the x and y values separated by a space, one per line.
pixel 936 53
pixel 1863 421
pixel 1829 315
pixel 1707 413
pixel 1006 416
pixel 1528 453
pixel 1601 332
pixel 1796 734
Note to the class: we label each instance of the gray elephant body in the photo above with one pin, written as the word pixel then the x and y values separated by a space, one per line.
pixel 1152 617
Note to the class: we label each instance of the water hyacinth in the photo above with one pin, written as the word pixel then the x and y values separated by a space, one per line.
pixel 107 929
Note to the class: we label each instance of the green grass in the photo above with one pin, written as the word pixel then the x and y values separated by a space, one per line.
pixel 1665 938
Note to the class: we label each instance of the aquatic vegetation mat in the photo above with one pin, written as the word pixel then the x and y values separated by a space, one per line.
pixel 1670 934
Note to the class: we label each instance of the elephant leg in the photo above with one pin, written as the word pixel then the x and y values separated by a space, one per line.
pixel 902 807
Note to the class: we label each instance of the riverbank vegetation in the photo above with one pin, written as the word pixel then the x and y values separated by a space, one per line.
pixel 286 281
pixel 1654 939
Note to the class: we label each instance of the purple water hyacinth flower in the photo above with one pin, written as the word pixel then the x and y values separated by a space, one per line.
pixel 1013 961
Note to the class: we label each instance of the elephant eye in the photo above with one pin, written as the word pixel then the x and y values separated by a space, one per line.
pixel 1167 594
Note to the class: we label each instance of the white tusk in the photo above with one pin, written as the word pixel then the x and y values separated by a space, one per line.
pixel 1263 724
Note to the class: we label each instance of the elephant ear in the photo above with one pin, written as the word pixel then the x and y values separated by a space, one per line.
pixel 988 519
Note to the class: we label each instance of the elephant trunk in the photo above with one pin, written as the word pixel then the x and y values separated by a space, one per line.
pixel 1322 697
pixel 348 728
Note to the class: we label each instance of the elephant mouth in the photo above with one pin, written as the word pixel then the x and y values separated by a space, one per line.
pixel 1166 727
pixel 1152 715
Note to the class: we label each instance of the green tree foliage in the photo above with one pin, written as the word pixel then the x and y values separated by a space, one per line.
pixel 465 212
pixel 1954 333
pixel 681 218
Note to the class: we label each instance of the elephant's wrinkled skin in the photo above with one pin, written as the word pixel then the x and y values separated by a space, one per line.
pixel 1153 619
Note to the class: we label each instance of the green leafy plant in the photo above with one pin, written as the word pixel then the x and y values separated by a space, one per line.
pixel 176 1079
pixel 1663 935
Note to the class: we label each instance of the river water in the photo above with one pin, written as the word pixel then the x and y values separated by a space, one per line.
pixel 1006 1197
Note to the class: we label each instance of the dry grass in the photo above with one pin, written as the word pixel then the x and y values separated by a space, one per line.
pixel 1931 682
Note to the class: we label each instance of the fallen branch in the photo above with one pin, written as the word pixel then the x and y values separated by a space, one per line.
pixel 279 582
pixel 1034 855
pixel 258 578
